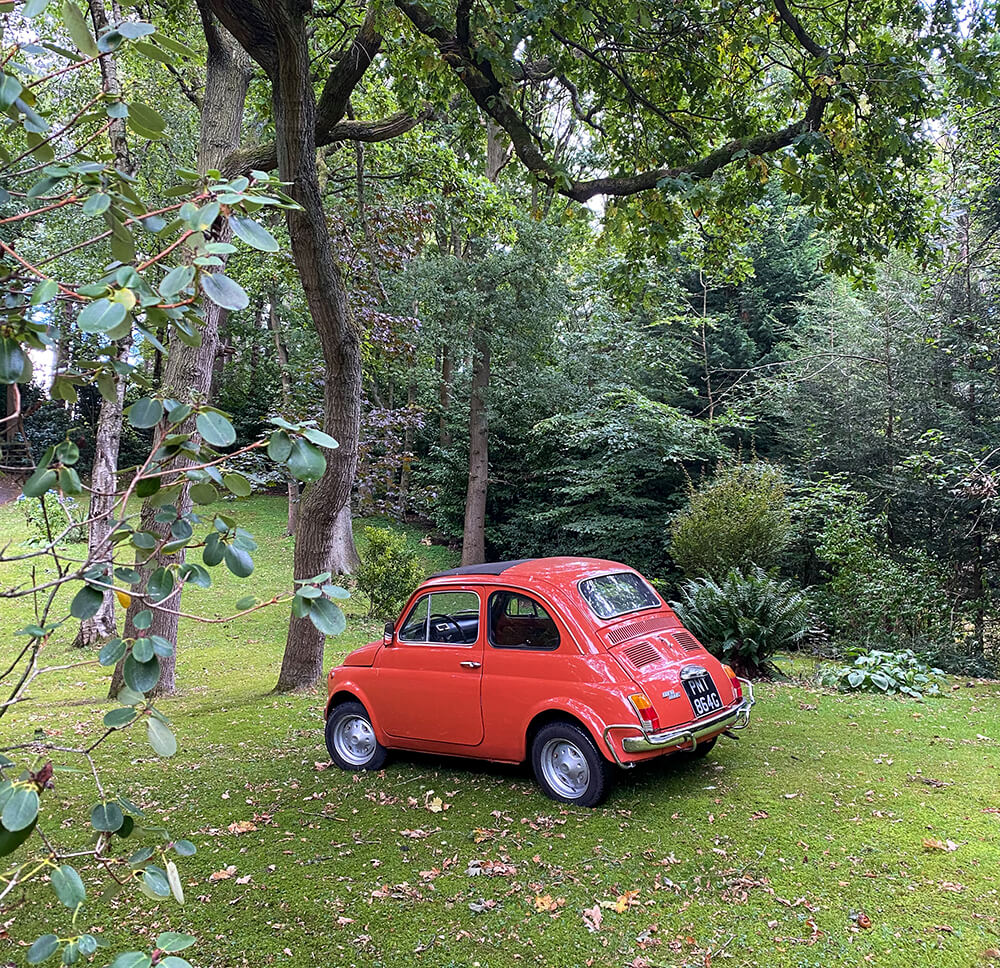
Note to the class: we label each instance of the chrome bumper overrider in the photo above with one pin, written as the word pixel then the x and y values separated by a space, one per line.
pixel 734 717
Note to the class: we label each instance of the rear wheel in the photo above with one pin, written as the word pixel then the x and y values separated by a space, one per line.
pixel 350 738
pixel 568 766
pixel 702 749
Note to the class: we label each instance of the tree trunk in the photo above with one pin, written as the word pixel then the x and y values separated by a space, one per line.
pixel 404 474
pixel 474 533
pixel 104 485
pixel 444 397
pixel 104 474
pixel 188 370
pixel 286 402
pixel 322 541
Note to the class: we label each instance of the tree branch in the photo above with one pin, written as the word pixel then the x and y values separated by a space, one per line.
pixel 479 79
pixel 795 26
pixel 349 68
pixel 265 158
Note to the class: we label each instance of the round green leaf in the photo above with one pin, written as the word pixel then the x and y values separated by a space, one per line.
pixel 86 603
pixel 141 676
pixel 67 884
pixel 10 840
pixel 40 482
pixel 143 619
pixel 14 366
pixel 279 446
pixel 176 280
pixel 171 941
pixel 43 949
pixel 254 234
pixel 76 24
pixel 100 316
pixel 143 650
pixel 238 561
pixel 107 816
pixel 185 848
pixel 118 718
pixel 133 959
pixel 156 880
pixel 223 291
pixel 161 584
pixel 238 484
pixel 327 617
pixel 111 652
pixel 21 809
pixel 216 429
pixel 146 116
pixel 306 462
pixel 204 493
pixel 145 413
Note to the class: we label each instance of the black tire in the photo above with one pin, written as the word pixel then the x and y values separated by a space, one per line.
pixel 564 757
pixel 702 749
pixel 350 739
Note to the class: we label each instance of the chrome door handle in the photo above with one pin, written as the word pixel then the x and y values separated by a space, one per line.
pixel 470 665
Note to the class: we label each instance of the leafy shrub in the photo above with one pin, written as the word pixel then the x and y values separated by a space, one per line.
pixel 745 618
pixel 738 519
pixel 885 672
pixel 389 571
pixel 58 513
pixel 877 600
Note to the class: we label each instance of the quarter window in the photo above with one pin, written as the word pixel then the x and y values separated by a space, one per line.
pixel 517 621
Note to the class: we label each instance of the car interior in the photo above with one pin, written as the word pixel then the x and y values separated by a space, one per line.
pixel 516 621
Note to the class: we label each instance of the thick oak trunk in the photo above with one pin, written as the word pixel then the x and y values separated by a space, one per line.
pixel 274 324
pixel 322 541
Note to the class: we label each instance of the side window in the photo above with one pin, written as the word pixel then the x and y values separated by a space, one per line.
pixel 450 618
pixel 517 621
pixel 415 627
pixel 454 617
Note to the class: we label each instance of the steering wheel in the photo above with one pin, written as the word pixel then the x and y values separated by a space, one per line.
pixel 448 620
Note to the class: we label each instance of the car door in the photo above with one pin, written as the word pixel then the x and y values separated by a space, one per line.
pixel 428 681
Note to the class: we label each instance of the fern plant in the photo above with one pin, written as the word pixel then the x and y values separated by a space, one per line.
pixel 745 618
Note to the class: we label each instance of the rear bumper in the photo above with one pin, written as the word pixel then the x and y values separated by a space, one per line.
pixel 686 737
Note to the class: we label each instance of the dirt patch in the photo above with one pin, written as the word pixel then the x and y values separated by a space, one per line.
pixel 10 488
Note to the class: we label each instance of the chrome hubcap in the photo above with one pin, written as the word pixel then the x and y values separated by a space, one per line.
pixel 354 739
pixel 565 768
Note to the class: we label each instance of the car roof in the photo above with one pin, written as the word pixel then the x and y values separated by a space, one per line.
pixel 550 571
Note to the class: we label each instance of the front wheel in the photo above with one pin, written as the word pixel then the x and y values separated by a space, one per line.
pixel 568 766
pixel 350 738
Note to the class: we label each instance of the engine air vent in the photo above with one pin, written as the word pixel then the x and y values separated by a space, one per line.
pixel 641 654
pixel 686 640
pixel 622 632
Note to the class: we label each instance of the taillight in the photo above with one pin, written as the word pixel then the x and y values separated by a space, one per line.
pixel 734 681
pixel 645 710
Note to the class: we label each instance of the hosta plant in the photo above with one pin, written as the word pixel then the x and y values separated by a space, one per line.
pixel 902 673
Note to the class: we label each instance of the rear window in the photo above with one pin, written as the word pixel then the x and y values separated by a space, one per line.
pixel 618 594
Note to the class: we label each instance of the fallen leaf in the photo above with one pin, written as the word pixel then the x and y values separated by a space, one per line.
pixel 932 843
pixel 222 875
pixel 592 918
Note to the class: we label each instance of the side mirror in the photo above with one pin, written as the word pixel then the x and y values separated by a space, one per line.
pixel 390 630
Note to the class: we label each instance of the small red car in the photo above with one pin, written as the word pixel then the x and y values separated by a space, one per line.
pixel 574 663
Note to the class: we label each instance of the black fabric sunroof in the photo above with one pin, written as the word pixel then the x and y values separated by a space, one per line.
pixel 490 568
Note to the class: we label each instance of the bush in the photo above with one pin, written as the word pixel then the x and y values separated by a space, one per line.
pixel 737 520
pixel 885 672
pixel 58 513
pixel 876 600
pixel 389 571
pixel 746 618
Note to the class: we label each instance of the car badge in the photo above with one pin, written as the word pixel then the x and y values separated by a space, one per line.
pixel 671 694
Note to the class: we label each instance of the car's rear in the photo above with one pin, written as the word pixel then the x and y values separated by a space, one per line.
pixel 683 695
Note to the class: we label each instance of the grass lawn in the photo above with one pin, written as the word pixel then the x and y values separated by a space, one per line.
pixel 777 850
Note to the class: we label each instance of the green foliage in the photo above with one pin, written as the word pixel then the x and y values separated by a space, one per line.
pixel 735 521
pixel 876 598
pixel 885 672
pixel 49 518
pixel 745 618
pixel 389 571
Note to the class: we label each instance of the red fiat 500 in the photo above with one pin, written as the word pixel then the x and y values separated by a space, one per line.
pixel 574 663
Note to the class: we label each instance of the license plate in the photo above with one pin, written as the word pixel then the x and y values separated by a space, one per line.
pixel 703 695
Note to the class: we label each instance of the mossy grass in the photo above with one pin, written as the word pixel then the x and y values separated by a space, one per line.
pixel 775 850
